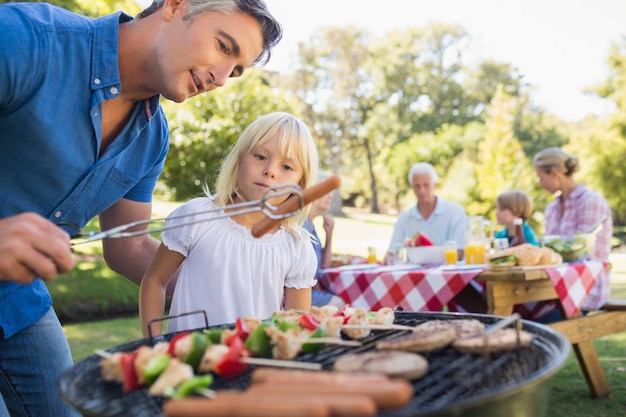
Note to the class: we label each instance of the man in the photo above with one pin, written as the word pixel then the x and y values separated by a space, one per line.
pixel 439 219
pixel 83 134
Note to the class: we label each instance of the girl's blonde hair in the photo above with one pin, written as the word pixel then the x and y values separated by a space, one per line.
pixel 295 142
pixel 517 201
pixel 556 159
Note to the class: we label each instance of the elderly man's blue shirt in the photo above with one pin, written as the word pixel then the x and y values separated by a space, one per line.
pixel 447 222
pixel 56 69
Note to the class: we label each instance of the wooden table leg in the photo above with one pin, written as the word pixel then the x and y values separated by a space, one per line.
pixel 592 370
pixel 581 331
pixel 500 306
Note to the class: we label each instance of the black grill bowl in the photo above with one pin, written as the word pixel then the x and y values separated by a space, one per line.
pixel 456 385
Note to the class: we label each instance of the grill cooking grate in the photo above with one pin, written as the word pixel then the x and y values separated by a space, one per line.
pixel 453 378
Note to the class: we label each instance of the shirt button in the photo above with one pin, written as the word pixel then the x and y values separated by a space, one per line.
pixel 114 90
pixel 96 81
pixel 58 214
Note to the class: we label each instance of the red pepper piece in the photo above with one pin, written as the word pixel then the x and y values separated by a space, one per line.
pixel 342 310
pixel 241 332
pixel 242 329
pixel 172 346
pixel 129 376
pixel 231 364
pixel 309 322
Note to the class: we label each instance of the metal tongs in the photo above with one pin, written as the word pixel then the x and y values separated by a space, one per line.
pixel 297 199
pixel 514 318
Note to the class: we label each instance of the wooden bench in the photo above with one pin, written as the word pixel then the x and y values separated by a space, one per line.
pixel 581 330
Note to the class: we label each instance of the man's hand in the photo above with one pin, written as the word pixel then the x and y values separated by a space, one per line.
pixel 32 246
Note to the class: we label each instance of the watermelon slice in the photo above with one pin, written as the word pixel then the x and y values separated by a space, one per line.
pixel 420 239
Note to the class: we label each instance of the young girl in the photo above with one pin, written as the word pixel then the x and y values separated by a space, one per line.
pixel 510 205
pixel 226 272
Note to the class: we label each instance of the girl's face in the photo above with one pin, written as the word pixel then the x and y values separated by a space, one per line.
pixel 264 166
pixel 548 181
pixel 504 216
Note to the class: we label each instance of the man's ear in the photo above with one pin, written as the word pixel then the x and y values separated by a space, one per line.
pixel 172 7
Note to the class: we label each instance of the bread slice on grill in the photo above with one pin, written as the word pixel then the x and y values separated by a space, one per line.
pixel 502 340
pixel 426 337
pixel 394 364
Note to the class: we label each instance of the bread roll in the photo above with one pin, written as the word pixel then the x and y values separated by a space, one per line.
pixel 550 257
pixel 527 254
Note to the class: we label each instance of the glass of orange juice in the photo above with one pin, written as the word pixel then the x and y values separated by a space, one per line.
pixel 450 252
pixel 475 252
pixel 371 255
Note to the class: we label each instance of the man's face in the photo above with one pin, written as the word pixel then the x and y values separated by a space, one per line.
pixel 424 187
pixel 199 56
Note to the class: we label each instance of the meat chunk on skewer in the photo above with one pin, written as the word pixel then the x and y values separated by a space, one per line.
pixel 385 316
pixel 144 355
pixel 111 367
pixel 212 355
pixel 175 374
pixel 286 344
pixel 358 318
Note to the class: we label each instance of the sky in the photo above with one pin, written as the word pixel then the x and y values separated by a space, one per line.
pixel 561 47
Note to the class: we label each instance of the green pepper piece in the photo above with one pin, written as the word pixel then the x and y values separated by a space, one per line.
pixel 285 325
pixel 199 343
pixel 214 335
pixel 258 343
pixel 314 347
pixel 191 386
pixel 155 366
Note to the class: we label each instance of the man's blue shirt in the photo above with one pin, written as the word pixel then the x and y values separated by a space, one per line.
pixel 56 69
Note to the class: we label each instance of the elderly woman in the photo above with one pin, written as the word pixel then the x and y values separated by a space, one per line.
pixel 575 209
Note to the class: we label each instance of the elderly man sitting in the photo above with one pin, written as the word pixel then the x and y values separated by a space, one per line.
pixel 439 219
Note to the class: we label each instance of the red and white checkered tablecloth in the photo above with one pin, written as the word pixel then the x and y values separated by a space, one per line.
pixel 418 289
pixel 572 283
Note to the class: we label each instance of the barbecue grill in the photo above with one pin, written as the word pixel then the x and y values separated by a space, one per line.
pixel 457 384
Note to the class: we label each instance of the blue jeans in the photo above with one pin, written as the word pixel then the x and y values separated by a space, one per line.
pixel 31 361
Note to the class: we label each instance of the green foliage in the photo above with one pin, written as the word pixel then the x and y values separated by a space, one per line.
pixel 602 143
pixel 204 128
pixel 502 164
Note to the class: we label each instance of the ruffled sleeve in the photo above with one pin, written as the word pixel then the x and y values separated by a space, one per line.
pixel 304 266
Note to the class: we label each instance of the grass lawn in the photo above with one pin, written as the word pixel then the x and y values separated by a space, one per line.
pixel 353 234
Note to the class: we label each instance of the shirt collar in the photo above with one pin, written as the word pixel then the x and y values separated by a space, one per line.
pixel 576 193
pixel 104 61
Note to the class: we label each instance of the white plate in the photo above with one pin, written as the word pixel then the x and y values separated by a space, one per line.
pixel 463 267
pixel 399 267
pixel 356 267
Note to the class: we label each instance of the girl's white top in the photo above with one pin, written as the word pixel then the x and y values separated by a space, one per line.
pixel 228 273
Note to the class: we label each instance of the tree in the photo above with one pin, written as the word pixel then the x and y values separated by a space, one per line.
pixel 334 89
pixel 601 144
pixel 502 164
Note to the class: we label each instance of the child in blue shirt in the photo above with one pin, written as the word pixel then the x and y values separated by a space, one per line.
pixel 509 206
